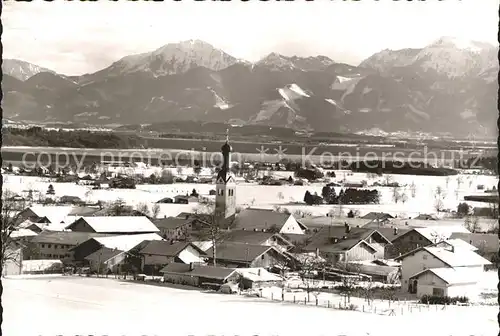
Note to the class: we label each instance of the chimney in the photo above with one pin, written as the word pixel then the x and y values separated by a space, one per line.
pixel 395 231
pixel 191 266
pixel 347 228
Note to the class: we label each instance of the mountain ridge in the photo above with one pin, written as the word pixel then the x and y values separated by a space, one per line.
pixel 408 89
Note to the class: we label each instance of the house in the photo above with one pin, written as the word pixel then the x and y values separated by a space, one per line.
pixel 113 225
pixel 125 243
pixel 22 234
pixel 425 217
pixel 318 222
pixel 197 275
pixel 53 214
pixel 165 200
pixel 246 255
pixel 391 233
pixel 173 228
pixel 258 278
pixel 449 282
pixel 258 238
pixel 415 238
pixel 158 253
pixel 268 220
pixel 66 199
pixel 467 263
pixel 377 271
pixel 32 226
pixel 378 217
pixel 55 245
pixel 186 215
pixel 82 211
pixel 106 260
pixel 487 244
pixel 185 199
pixel 342 244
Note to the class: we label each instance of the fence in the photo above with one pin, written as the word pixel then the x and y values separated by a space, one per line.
pixel 380 307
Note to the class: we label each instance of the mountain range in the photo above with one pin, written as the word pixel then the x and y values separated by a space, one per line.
pixel 449 86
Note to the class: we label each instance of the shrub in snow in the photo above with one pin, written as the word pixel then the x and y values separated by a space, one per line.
pixel 443 300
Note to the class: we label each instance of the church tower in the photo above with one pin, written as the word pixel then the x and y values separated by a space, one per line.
pixel 225 198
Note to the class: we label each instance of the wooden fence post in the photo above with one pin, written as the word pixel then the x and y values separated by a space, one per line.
pixel 294 299
pixel 316 301
pixel 271 296
pixel 305 301
pixel 328 304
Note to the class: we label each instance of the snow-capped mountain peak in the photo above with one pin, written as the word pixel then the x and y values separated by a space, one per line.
pixel 276 62
pixel 459 43
pixel 174 58
pixel 21 70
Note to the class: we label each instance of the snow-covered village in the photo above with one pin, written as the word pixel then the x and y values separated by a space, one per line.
pixel 253 168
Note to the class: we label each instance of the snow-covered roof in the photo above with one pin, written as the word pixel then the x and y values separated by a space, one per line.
pixel 119 224
pixel 457 257
pixel 258 274
pixel 54 213
pixel 452 276
pixel 458 244
pixel 27 223
pixel 126 242
pixel 203 245
pixel 22 233
pixel 437 233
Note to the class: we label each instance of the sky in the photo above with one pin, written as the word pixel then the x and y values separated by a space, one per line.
pixel 76 37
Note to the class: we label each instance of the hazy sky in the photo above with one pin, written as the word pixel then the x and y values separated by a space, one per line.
pixel 78 37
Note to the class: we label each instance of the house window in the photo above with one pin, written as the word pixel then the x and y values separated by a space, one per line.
pixel 419 238
pixel 425 256
pixel 262 257
pixel 438 291
pixel 49 245
pixel 43 245
pixel 55 246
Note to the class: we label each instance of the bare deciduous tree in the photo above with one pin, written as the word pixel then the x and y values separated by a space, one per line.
pixel 396 195
pixel 11 207
pixel 209 225
pixel 155 210
pixel 471 223
pixel 143 208
pixel 308 271
pixel 349 281
pixel 404 197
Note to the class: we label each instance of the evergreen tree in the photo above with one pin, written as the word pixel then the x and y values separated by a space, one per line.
pixel 50 190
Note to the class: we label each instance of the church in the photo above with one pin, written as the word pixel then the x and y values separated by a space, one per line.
pixel 225 197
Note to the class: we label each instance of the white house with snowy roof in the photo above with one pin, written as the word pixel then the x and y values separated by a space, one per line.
pixel 447 268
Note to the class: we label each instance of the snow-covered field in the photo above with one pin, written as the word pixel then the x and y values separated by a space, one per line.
pixel 91 306
pixel 270 196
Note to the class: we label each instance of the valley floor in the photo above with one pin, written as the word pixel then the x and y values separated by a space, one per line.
pixel 73 305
